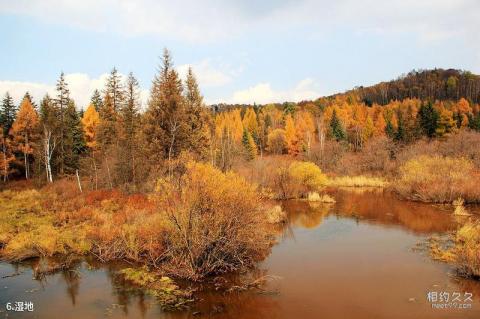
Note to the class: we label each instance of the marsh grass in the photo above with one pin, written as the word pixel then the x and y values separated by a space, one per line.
pixel 461 248
pixel 357 181
pixel 202 222
pixel 168 294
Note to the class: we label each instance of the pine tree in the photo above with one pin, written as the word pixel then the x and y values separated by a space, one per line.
pixel 165 129
pixel 7 114
pixel 400 135
pixel 428 120
pixel 389 129
pixel 96 100
pixel 62 101
pixel 107 127
pixel 129 123
pixel 115 90
pixel 249 145
pixel 74 139
pixel 7 156
pixel 198 118
pixel 25 133
pixel 336 128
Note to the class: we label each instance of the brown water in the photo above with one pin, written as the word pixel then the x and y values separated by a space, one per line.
pixel 353 259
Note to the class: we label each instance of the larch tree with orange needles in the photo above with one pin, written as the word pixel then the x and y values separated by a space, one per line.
pixel 25 132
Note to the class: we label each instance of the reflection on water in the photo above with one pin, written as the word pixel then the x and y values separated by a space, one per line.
pixel 352 259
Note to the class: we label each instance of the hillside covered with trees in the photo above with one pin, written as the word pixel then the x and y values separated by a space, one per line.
pixel 114 144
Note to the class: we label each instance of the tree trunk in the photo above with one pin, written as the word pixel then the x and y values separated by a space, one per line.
pixel 78 181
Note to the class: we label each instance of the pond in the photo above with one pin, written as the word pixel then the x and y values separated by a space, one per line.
pixel 352 259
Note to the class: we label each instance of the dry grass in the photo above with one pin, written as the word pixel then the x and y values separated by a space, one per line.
pixel 316 197
pixel 357 181
pixel 438 179
pixel 463 249
pixel 199 223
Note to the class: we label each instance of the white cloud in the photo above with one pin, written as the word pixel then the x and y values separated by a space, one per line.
pixel 81 88
pixel 263 93
pixel 211 20
pixel 208 75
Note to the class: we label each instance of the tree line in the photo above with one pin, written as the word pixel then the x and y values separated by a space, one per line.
pixel 114 143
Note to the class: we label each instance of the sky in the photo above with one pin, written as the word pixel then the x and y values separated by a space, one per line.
pixel 241 51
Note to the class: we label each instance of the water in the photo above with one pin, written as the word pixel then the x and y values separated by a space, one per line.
pixel 353 259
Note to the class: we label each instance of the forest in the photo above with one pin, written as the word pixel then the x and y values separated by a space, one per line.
pixel 185 187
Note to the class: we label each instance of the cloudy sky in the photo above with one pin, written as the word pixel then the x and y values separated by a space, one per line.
pixel 242 51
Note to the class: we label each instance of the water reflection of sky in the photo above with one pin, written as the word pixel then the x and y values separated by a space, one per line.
pixel 352 259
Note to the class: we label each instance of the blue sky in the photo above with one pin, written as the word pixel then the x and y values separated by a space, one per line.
pixel 241 51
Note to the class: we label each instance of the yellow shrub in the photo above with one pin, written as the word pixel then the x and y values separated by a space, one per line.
pixel 438 179
pixel 298 179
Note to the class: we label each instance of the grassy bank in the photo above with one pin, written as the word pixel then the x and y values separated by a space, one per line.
pixel 438 179
pixel 199 223
pixel 357 181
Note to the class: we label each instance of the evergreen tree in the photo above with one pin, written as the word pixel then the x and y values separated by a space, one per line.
pixel 249 145
pixel 428 120
pixel 7 114
pixel 62 102
pixel 107 129
pixel 400 135
pixel 289 108
pixel 74 139
pixel 474 121
pixel 96 100
pixel 198 118
pixel 389 129
pixel 336 128
pixel 128 129
pixel 165 127
pixel 115 90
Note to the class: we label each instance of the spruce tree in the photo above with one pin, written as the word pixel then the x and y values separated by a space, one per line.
pixel 128 129
pixel 336 128
pixel 7 114
pixel 96 100
pixel 115 90
pixel 249 145
pixel 62 102
pixel 165 127
pixel 198 118
pixel 400 135
pixel 74 139
pixel 389 129
pixel 428 120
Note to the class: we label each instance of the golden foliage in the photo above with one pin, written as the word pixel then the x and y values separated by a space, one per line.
pixel 437 179
pixel 90 121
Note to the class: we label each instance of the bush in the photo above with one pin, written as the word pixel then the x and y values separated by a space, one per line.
pixel 215 222
pixel 298 179
pixel 438 179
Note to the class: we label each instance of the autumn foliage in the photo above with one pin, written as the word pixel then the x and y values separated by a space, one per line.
pixel 438 179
